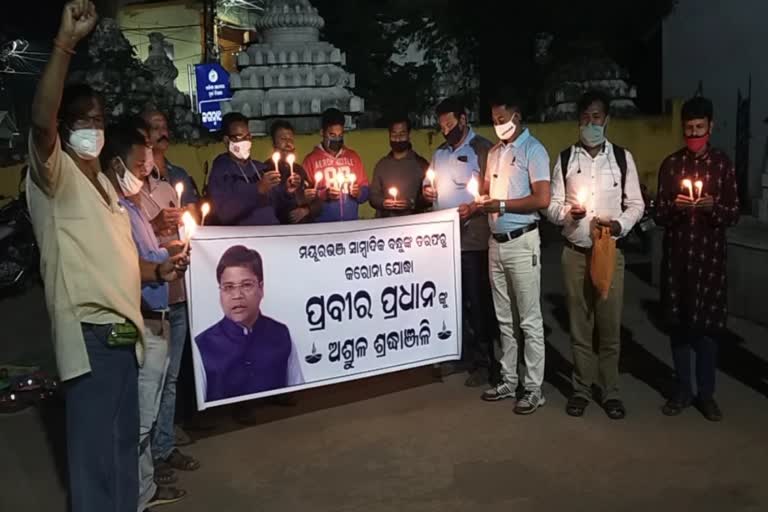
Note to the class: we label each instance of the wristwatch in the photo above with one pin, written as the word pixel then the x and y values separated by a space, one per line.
pixel 502 207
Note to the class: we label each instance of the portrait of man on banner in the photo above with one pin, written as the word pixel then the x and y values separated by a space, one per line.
pixel 245 352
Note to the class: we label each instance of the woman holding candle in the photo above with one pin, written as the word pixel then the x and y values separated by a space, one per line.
pixel 402 169
pixel 693 280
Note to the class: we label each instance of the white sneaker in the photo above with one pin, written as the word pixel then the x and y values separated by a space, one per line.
pixel 500 392
pixel 531 401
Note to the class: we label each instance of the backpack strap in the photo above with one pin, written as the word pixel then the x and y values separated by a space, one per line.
pixel 620 154
pixel 565 158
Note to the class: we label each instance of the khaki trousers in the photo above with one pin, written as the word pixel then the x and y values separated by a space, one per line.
pixel 595 326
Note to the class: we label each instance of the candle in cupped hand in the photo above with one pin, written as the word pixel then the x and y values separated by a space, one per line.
pixel 688 185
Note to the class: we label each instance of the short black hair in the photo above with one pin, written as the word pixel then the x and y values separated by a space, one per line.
pixel 594 96
pixel 138 123
pixel 72 98
pixel 508 98
pixel 698 107
pixel 397 119
pixel 332 117
pixel 232 118
pixel 240 256
pixel 453 105
pixel 280 124
pixel 119 139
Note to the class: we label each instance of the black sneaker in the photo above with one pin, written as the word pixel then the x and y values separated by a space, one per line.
pixel 710 409
pixel 531 401
pixel 676 405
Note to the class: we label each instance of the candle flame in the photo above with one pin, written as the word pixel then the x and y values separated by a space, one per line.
pixel 276 158
pixel 393 192
pixel 291 158
pixel 352 178
pixel 699 186
pixel 190 226
pixel 179 190
pixel 206 209
pixel 581 196
pixel 340 179
pixel 318 177
pixel 431 175
pixel 687 183
pixel 473 187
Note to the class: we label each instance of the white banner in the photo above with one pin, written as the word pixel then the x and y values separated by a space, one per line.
pixel 284 308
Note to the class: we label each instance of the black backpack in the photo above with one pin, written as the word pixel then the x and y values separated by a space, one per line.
pixel 621 159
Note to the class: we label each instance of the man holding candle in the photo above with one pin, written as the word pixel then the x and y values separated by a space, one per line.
pixel 697 201
pixel 456 163
pixel 245 192
pixel 517 184
pixel 163 199
pixel 306 205
pixel 344 184
pixel 594 182
pixel 402 171
pixel 123 161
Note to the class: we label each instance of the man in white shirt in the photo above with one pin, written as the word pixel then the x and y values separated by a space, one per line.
pixel 594 182
pixel 517 184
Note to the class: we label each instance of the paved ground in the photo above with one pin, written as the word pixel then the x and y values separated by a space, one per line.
pixel 408 442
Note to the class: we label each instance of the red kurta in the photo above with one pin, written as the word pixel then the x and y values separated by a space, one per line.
pixel 693 270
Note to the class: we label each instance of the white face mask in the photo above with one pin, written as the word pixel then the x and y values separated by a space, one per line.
pixel 86 142
pixel 241 150
pixel 129 183
pixel 506 130
pixel 149 162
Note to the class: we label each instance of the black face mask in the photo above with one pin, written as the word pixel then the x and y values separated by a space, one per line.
pixel 334 144
pixel 400 146
pixel 454 136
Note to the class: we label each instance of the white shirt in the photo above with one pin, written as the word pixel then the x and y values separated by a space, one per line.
pixel 600 180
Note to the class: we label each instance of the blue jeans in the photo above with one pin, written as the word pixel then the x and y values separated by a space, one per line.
pixel 151 375
pixel 102 422
pixel 163 438
pixel 684 345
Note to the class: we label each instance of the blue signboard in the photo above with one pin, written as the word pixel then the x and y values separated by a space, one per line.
pixel 212 88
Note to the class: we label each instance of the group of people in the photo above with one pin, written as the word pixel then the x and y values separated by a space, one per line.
pixel 106 215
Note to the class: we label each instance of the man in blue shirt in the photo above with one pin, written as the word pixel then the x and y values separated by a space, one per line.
pixel 517 184
pixel 123 160
pixel 245 192
pixel 246 352
pixel 456 163
pixel 161 204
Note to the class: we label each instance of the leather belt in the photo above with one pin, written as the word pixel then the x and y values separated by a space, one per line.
pixel 154 315
pixel 506 237
pixel 577 248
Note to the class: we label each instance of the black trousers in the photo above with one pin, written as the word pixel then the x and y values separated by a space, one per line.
pixel 480 326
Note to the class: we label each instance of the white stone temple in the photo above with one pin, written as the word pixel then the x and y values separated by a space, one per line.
pixel 291 74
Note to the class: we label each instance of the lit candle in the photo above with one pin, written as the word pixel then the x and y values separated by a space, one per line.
pixel 473 188
pixel 340 182
pixel 190 226
pixel 179 191
pixel 276 159
pixel 318 178
pixel 581 197
pixel 687 184
pixel 393 193
pixel 291 158
pixel 205 209
pixel 699 185
pixel 431 177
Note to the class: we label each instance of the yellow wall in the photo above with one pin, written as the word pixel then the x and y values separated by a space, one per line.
pixel 186 41
pixel 649 139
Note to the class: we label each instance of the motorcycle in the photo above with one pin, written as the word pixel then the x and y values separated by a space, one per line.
pixel 19 254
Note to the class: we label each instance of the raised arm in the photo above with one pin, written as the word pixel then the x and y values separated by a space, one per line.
pixel 77 21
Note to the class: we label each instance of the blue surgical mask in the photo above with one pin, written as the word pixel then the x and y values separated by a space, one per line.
pixel 592 135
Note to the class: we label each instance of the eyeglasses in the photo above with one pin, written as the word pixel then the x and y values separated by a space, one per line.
pixel 247 287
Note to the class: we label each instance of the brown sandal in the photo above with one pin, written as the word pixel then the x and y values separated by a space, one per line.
pixel 181 462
